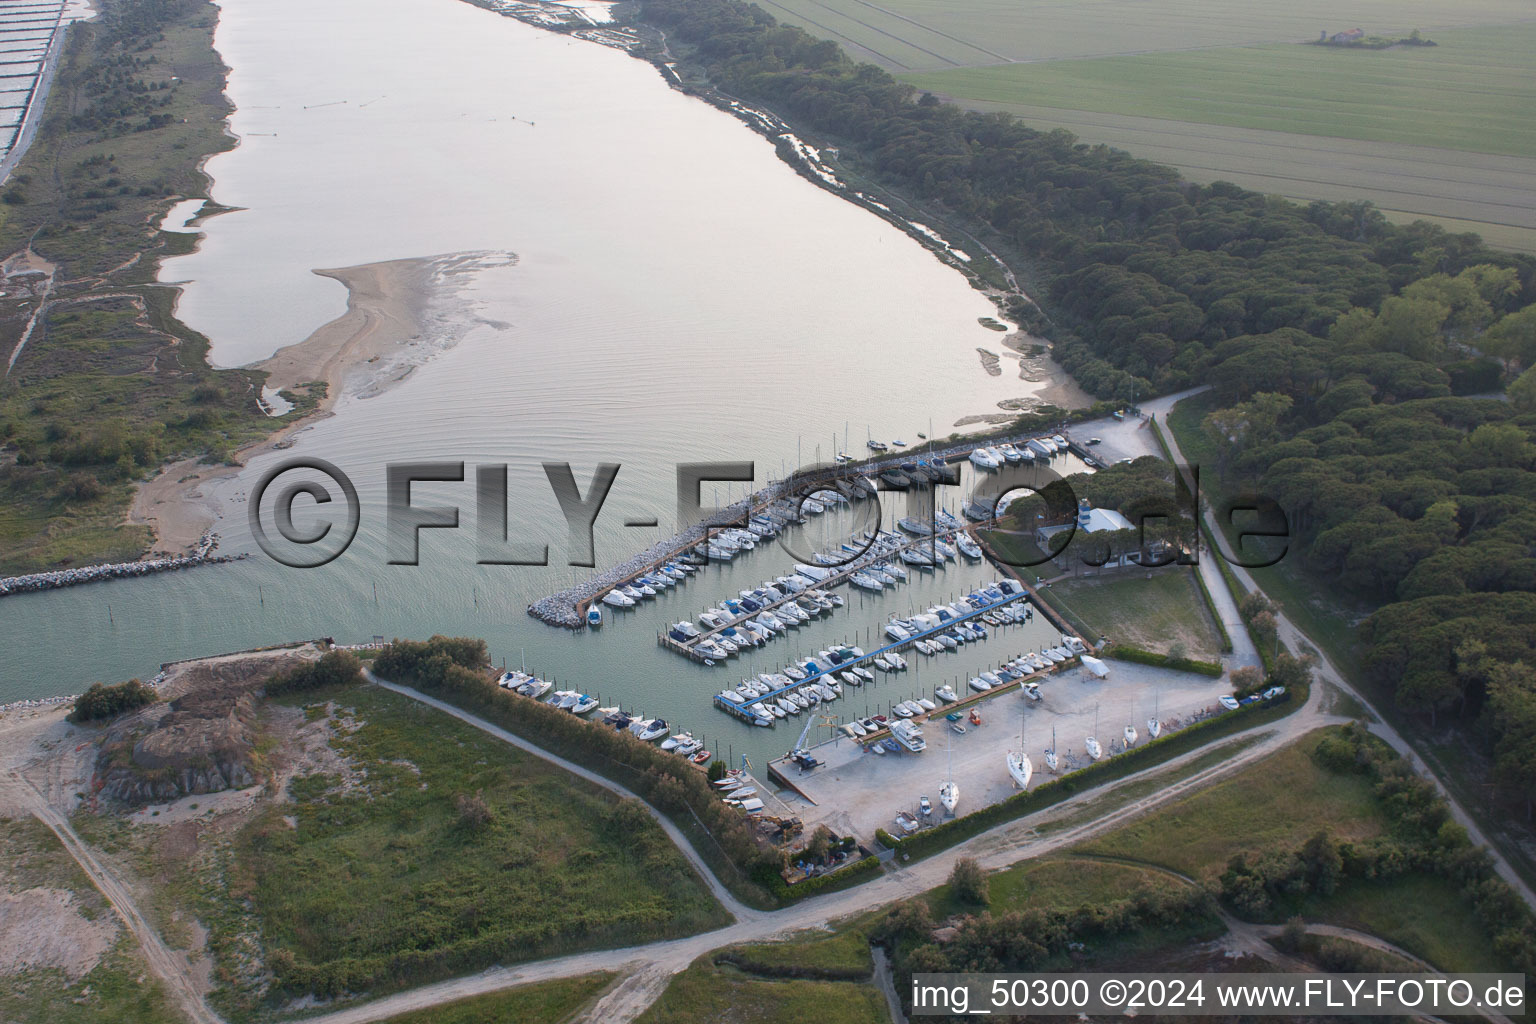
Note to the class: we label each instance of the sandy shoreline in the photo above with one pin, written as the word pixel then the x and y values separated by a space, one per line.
pixel 386 310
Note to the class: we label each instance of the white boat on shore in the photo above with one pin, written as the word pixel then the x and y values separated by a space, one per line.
pixel 1020 768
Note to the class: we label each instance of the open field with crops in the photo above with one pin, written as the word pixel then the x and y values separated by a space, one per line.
pixel 1471 92
pixel 919 35
pixel 1229 94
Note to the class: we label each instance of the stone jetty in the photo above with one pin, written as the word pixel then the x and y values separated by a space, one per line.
pixel 120 570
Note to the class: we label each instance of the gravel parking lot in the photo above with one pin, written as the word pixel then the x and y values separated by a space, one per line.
pixel 856 792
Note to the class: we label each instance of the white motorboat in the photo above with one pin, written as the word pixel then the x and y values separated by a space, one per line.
pixel 980 685
pixel 882 664
pixel 788 706
pixel 731 696
pixel 981 458
pixel 653 730
pixel 902 710
pixel 584 703
pixel 1032 692
pixel 946 694
pixel 896 660
pixel 855 729
pixel 535 688
pixel 671 742
pixel 927 704
pixel 968 547
pixel 896 632
pixel 616 599
pixel 1020 768
pixel 863 673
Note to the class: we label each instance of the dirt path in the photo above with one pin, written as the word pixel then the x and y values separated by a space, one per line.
pixel 162 962
pixel 648 969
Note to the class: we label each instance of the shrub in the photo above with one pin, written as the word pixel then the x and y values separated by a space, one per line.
pixel 334 668
pixel 101 701
pixel 968 882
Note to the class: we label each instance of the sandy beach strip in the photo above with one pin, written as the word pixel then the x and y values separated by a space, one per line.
pixel 386 306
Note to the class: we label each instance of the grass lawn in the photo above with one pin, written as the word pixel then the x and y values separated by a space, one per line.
pixel 546 1002
pixel 1472 92
pixel 846 949
pixel 1280 801
pixel 386 881
pixel 117 990
pixel 1150 613
pixel 1065 883
pixel 706 994
pixel 1427 916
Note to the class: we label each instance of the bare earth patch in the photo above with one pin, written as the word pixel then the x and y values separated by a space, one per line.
pixel 43 929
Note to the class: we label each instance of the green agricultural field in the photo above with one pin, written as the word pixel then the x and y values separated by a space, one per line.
pixel 1150 613
pixel 546 1002
pixel 1229 94
pixel 1473 92
pixel 909 35
pixel 455 851
pixel 1447 133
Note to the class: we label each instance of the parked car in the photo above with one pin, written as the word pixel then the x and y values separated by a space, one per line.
pixel 1095 440
pixel 1229 702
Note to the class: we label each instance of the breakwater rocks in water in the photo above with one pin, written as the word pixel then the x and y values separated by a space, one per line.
pixel 121 570
pixel 564 608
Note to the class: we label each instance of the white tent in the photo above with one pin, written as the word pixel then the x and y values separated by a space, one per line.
pixel 1095 666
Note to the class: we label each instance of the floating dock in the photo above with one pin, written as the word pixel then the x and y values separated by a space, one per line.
pixel 567 608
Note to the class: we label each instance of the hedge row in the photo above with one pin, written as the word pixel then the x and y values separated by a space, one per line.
pixel 1123 652
pixel 851 874
pixel 931 840
pixel 742 963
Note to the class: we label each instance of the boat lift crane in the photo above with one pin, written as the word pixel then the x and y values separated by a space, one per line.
pixel 827 720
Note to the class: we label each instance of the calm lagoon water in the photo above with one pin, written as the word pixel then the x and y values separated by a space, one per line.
pixel 679 295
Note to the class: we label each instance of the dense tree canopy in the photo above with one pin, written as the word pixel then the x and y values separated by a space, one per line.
pixel 1357 363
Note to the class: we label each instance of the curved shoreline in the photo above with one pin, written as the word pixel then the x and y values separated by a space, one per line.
pixel 388 307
